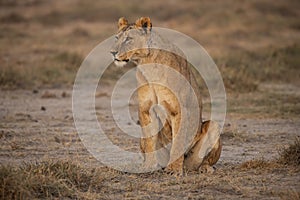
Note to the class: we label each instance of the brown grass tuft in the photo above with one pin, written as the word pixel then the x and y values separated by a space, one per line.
pixel 46 180
pixel 258 164
pixel 291 154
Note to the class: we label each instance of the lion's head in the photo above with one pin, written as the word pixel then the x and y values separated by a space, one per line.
pixel 132 41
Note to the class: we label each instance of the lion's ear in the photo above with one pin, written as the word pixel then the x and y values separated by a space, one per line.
pixel 122 23
pixel 144 22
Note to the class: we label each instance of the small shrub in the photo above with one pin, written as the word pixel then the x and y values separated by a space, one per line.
pixel 291 154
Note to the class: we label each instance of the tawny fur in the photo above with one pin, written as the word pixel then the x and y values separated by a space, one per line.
pixel 136 43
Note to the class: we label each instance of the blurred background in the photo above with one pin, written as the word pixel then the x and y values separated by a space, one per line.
pixel 42 43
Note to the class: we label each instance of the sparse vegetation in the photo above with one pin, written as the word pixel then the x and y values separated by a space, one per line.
pixel 291 154
pixel 68 179
pixel 56 70
pixel 259 164
pixel 288 157
pixel 242 69
pixel 47 180
pixel 13 18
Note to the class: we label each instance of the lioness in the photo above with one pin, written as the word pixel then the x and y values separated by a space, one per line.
pixel 137 43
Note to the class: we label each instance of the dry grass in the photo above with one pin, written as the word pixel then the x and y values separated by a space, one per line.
pixel 70 180
pixel 231 37
pixel 243 71
pixel 259 164
pixel 291 155
pixel 266 102
pixel 48 180
pixel 56 70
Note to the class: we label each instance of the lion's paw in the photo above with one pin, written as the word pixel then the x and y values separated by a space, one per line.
pixel 174 171
pixel 206 169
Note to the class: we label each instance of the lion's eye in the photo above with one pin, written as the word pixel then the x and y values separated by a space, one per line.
pixel 128 39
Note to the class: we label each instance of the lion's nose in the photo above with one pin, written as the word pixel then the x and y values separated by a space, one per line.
pixel 114 53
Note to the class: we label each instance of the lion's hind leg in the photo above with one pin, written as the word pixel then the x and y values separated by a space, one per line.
pixel 206 150
pixel 211 159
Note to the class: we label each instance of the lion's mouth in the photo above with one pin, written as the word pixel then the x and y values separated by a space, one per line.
pixel 120 63
pixel 118 60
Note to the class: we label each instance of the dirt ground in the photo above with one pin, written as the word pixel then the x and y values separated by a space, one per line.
pixel 37 126
pixel 255 44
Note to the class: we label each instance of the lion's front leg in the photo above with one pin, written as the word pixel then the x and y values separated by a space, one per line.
pixel 147 146
pixel 177 149
pixel 150 128
pixel 176 167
